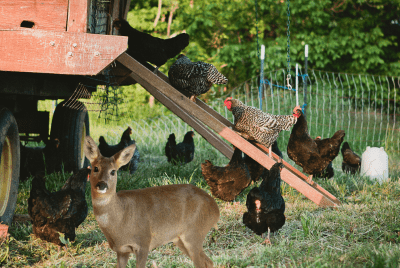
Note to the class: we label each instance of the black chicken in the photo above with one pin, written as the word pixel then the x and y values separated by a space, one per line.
pixel 194 78
pixel 265 204
pixel 40 159
pixel 227 182
pixel 180 153
pixel 351 161
pixel 61 211
pixel 109 150
pixel 146 48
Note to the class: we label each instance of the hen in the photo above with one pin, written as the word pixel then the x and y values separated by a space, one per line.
pixel 183 152
pixel 109 150
pixel 40 159
pixel 328 172
pixel 146 48
pixel 195 78
pixel 265 204
pixel 227 182
pixel 254 124
pixel 61 211
pixel 313 157
pixel 351 161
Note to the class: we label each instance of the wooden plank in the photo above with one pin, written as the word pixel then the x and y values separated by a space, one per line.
pixel 149 81
pixel 45 14
pixel 77 16
pixel 193 122
pixel 42 51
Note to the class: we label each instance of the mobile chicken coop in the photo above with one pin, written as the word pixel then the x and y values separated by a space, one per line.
pixel 47 48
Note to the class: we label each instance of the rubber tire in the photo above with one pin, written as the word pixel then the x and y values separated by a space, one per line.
pixel 9 129
pixel 68 125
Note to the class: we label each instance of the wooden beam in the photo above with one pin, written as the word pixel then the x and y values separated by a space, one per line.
pixel 150 81
pixel 77 16
pixel 40 51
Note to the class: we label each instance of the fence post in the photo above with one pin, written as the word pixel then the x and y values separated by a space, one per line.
pixel 305 80
pixel 261 76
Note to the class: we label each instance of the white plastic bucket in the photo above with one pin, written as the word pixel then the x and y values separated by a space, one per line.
pixel 375 164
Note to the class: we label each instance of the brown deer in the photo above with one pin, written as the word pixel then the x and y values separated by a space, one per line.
pixel 136 221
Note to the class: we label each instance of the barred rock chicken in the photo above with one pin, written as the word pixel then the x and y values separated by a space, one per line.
pixel 181 153
pixel 40 159
pixel 313 157
pixel 265 204
pixel 146 48
pixel 328 172
pixel 61 211
pixel 351 161
pixel 253 124
pixel 109 150
pixel 227 182
pixel 194 78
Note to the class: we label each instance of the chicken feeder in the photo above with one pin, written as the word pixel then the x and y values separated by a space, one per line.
pixel 375 164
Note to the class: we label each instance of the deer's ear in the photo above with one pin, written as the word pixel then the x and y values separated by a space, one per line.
pixel 124 156
pixel 91 150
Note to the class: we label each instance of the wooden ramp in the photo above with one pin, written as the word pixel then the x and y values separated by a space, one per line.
pixel 203 118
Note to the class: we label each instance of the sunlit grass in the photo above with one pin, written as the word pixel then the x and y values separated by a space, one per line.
pixel 363 232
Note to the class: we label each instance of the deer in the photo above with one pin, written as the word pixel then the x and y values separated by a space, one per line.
pixel 137 221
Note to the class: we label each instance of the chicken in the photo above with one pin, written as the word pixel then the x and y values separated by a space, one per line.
pixel 227 182
pixel 183 152
pixel 328 172
pixel 60 211
pixel 195 78
pixel 170 146
pixel 351 161
pixel 109 150
pixel 265 204
pixel 311 155
pixel 146 48
pixel 40 159
pixel 254 124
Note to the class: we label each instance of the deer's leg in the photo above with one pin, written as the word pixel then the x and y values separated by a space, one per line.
pixel 141 257
pixel 193 245
pixel 122 259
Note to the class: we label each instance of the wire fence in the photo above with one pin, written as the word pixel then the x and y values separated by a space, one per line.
pixel 366 107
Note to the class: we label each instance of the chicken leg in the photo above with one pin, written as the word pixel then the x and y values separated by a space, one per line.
pixel 267 241
pixel 310 180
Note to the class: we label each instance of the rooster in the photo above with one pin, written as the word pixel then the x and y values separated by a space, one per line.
pixel 183 152
pixel 58 212
pixel 351 161
pixel 253 124
pixel 194 78
pixel 146 48
pixel 265 204
pixel 109 150
pixel 227 182
pixel 313 156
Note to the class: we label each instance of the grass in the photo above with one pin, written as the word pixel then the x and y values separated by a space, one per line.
pixel 363 232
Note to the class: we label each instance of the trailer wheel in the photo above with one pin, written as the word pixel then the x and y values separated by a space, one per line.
pixel 9 165
pixel 71 126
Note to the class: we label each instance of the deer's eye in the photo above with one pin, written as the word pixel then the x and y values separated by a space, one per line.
pixel 96 169
pixel 112 172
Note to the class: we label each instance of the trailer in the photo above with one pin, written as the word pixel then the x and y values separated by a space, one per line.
pixel 49 47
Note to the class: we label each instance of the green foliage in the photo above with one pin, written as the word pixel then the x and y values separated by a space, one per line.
pixel 354 36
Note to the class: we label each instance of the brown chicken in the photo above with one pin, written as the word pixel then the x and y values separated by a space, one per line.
pixel 58 212
pixel 328 172
pixel 146 48
pixel 253 124
pixel 227 182
pixel 313 157
pixel 351 161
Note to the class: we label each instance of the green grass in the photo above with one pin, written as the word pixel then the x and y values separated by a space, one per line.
pixel 363 232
